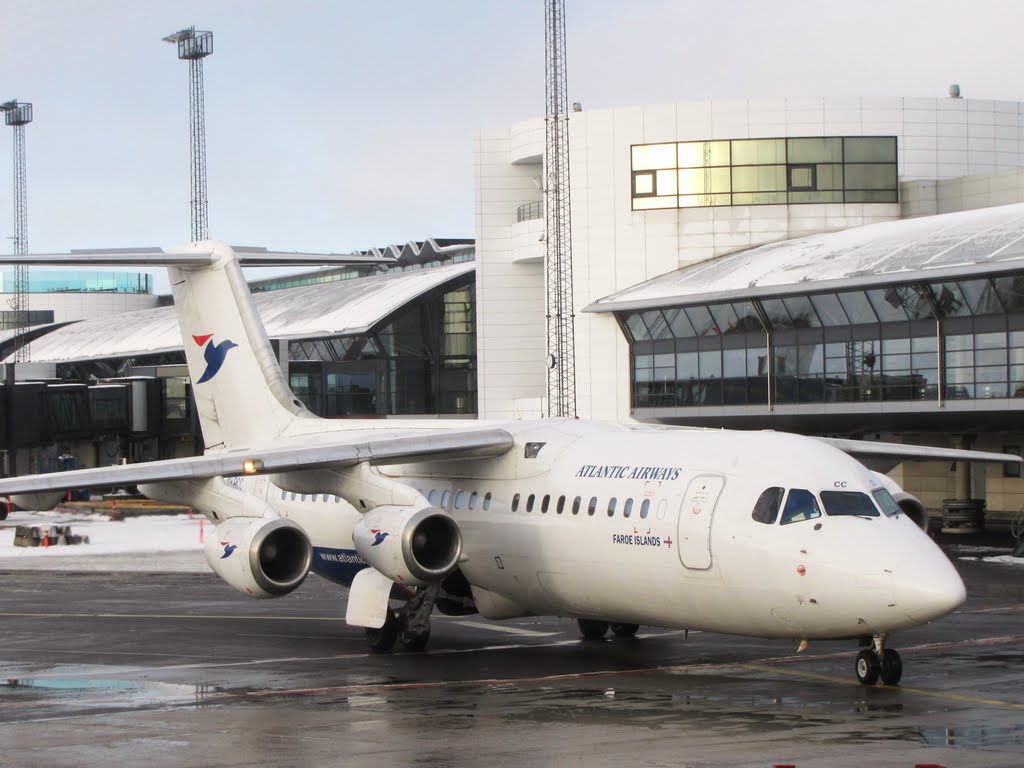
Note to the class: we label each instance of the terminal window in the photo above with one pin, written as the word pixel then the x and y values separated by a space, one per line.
pixel 829 169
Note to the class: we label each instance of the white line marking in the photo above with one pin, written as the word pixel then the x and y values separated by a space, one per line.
pixel 504 628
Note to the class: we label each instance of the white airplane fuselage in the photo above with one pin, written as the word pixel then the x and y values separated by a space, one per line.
pixel 654 526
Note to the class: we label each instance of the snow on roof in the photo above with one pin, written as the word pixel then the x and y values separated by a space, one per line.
pixel 984 241
pixel 326 309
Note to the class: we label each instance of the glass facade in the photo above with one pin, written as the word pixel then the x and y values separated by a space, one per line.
pixel 951 340
pixel 422 359
pixel 831 169
pixel 60 281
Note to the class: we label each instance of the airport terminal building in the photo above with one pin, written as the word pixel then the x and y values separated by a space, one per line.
pixel 828 266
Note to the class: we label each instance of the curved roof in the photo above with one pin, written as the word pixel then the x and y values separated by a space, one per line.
pixel 984 241
pixel 325 309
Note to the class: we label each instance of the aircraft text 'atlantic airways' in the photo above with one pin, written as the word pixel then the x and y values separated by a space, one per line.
pixel 627 472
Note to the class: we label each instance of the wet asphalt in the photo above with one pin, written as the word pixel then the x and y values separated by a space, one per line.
pixel 177 669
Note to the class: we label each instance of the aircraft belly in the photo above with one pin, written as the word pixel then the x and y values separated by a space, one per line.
pixel 551 567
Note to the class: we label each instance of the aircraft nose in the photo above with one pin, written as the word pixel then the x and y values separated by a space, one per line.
pixel 930 589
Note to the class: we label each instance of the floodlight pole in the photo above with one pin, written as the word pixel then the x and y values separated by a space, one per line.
pixel 17 115
pixel 194 46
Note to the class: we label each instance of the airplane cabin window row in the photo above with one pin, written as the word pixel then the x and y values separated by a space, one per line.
pixel 325 497
pixel 802 505
pixel 577 504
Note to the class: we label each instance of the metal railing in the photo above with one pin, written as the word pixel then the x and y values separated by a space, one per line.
pixel 530 211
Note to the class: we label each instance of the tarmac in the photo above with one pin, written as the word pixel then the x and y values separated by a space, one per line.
pixel 166 666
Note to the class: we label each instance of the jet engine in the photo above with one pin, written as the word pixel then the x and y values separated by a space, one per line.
pixel 262 557
pixel 409 546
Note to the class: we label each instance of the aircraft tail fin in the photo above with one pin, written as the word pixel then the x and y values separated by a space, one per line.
pixel 240 393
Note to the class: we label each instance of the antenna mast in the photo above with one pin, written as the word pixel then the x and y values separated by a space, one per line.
pixel 558 258
pixel 18 115
pixel 194 46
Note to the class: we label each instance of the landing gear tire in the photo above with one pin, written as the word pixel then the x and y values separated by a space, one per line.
pixel 383 640
pixel 891 667
pixel 592 630
pixel 868 667
pixel 625 630
pixel 414 641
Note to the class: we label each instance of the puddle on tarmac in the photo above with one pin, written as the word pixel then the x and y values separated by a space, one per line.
pixel 974 736
pixel 99 692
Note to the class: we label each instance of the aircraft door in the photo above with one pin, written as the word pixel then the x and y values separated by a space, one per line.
pixel 695 516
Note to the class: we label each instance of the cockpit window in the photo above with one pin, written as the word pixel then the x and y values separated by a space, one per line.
pixel 888 504
pixel 848 503
pixel 766 510
pixel 800 505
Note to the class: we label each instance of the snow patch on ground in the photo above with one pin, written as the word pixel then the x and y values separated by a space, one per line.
pixel 1001 559
pixel 145 543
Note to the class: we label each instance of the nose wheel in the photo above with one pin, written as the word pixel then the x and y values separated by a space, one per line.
pixel 879 662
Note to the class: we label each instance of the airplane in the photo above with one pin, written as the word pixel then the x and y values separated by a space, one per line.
pixel 617 525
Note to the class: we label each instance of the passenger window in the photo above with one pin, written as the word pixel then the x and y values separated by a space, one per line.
pixel 611 506
pixel 459 498
pixel 432 496
pixel 888 504
pixel 337 499
pixel 800 505
pixel 645 508
pixel 627 508
pixel 472 500
pixel 592 507
pixel 302 498
pixel 487 501
pixel 766 509
pixel 544 504
pixel 284 495
pixel 314 497
pixel 515 502
pixel 529 503
pixel 848 503
pixel 576 504
pixel 326 498
pixel 444 498
pixel 561 504
pixel 293 496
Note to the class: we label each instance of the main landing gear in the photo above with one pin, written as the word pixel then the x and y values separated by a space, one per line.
pixel 596 630
pixel 409 626
pixel 877 661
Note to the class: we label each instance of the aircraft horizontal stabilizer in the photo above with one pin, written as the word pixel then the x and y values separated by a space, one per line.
pixel 193 256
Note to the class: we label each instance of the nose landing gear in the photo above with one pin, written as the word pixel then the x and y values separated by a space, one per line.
pixel 878 662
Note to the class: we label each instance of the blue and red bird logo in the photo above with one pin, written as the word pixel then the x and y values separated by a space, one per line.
pixel 214 355
pixel 378 536
pixel 228 549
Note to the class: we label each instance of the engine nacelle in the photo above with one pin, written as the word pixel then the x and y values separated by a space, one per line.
pixel 409 546
pixel 262 557
pixel 910 504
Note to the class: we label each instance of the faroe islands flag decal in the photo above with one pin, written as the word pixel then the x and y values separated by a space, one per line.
pixel 214 355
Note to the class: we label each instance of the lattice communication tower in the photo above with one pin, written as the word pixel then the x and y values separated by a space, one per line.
pixel 558 257
pixel 193 47
pixel 18 115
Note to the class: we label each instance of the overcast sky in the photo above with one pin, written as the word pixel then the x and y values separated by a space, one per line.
pixel 334 126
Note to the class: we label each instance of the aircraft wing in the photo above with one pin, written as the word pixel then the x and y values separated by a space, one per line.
pixel 334 450
pixel 897 452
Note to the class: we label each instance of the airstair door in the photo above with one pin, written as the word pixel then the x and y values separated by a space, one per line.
pixel 695 517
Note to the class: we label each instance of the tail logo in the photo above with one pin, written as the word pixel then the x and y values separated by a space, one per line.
pixel 378 536
pixel 214 354
pixel 228 549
